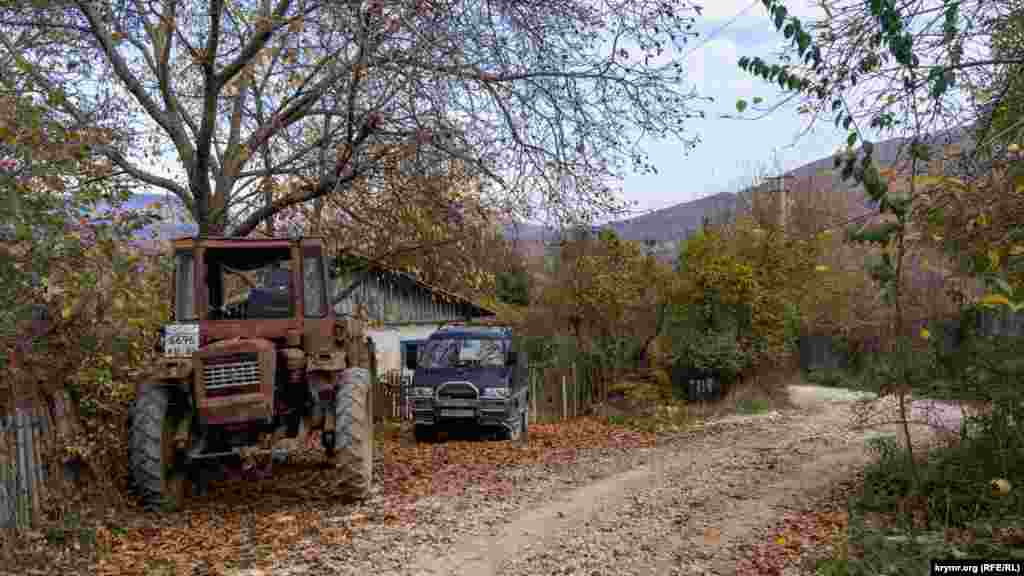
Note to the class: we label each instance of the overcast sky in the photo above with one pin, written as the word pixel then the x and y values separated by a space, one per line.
pixel 731 151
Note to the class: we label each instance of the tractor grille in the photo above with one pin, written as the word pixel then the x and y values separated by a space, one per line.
pixel 231 374
pixel 457 390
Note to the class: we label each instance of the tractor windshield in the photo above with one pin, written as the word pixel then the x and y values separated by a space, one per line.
pixel 245 283
pixel 184 288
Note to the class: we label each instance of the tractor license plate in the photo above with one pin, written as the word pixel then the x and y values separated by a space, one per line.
pixel 181 340
pixel 458 413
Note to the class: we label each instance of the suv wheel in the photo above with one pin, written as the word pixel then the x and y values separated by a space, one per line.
pixel 424 433
pixel 515 430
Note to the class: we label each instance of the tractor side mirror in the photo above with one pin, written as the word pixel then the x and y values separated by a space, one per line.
pixel 512 358
pixel 410 357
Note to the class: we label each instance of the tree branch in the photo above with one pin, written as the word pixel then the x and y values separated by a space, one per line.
pixel 134 171
pixel 110 152
pixel 133 85
pixel 166 35
pixel 333 181
pixel 264 32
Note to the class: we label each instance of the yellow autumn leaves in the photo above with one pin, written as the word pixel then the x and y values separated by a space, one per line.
pixel 602 282
pixel 997 300
pixel 764 272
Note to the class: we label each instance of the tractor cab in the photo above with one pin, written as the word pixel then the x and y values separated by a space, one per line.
pixel 229 279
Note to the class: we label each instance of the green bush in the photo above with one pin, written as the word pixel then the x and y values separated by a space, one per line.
pixel 950 488
pixel 828 377
pixel 752 406
pixel 955 486
pixel 617 420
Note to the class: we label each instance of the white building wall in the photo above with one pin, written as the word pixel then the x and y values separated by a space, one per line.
pixel 388 339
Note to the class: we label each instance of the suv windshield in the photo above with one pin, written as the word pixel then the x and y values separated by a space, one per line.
pixel 463 352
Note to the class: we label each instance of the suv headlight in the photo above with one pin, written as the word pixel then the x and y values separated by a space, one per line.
pixel 421 392
pixel 494 393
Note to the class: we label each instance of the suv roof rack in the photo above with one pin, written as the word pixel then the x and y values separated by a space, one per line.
pixel 453 326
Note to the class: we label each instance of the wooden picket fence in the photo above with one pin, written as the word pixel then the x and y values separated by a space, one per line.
pixel 26 450
pixel 560 392
pixel 389 392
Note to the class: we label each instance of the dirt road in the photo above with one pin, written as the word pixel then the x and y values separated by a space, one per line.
pixel 689 505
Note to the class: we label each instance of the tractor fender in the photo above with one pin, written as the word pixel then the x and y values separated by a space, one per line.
pixel 168 372
pixel 327 361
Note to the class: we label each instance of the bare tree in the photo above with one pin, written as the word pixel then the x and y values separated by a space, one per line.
pixel 268 104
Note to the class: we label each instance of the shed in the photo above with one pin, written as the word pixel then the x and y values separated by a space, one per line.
pixel 401 309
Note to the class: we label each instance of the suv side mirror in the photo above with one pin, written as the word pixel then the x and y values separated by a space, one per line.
pixel 512 358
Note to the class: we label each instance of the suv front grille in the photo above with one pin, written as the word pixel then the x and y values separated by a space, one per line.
pixel 457 390
pixel 231 374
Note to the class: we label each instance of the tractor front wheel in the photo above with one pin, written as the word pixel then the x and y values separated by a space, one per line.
pixel 157 470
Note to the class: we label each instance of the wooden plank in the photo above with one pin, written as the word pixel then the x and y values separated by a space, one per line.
pixel 533 393
pixel 45 446
pixel 7 500
pixel 22 467
pixel 37 463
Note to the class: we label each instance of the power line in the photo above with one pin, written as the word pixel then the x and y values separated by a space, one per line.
pixel 707 39
pixel 721 28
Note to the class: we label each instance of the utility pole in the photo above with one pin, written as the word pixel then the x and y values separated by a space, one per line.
pixel 781 195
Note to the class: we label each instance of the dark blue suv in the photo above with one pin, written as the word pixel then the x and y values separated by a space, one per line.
pixel 469 376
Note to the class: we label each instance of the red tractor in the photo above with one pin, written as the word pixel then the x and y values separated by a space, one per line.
pixel 254 352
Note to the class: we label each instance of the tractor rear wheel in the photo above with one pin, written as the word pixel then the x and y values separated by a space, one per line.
pixel 157 470
pixel 353 434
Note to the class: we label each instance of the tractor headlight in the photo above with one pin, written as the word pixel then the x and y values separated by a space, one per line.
pixel 494 393
pixel 421 392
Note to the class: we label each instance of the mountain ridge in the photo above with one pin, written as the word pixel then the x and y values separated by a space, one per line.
pixel 672 224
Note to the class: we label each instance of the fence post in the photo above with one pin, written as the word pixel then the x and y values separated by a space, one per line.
pixel 371 350
pixel 402 408
pixel 565 400
pixel 8 480
pixel 575 392
pixel 24 488
pixel 533 394
pixel 36 472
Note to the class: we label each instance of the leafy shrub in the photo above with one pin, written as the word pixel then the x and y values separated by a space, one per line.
pixel 617 420
pixel 952 495
pixel 828 377
pixel 753 406
pixel 943 504
pixel 102 297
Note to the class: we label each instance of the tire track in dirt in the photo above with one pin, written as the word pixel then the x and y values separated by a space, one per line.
pixel 686 512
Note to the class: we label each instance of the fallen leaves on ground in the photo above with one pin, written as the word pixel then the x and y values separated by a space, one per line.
pixel 796 534
pixel 251 523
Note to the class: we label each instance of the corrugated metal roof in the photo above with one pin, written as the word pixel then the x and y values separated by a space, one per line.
pixel 376 267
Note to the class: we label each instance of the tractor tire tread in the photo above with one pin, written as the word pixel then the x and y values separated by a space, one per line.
pixel 354 433
pixel 145 436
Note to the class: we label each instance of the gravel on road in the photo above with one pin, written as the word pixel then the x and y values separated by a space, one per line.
pixel 691 504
